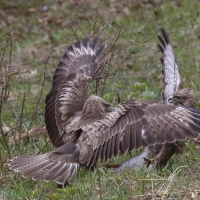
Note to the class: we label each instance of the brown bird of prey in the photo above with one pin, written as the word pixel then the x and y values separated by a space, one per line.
pixel 84 130
pixel 173 93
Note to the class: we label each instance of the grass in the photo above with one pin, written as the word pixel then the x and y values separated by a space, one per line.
pixel 37 32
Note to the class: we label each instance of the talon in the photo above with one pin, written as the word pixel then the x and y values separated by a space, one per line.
pixel 149 162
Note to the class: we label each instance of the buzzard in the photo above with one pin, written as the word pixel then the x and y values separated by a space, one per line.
pixel 173 93
pixel 84 129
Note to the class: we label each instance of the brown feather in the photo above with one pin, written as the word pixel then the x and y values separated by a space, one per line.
pixel 172 80
pixel 69 87
pixel 86 131
pixel 184 97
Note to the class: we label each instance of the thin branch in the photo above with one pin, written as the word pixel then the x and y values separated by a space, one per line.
pixel 41 91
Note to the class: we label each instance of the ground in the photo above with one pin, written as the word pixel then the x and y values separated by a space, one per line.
pixel 33 37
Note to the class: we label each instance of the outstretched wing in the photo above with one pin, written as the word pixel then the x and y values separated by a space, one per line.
pixel 129 126
pixel 59 165
pixel 172 79
pixel 70 87
pixel 132 125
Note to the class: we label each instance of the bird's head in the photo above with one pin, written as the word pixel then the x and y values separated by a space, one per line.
pixel 94 109
pixel 184 97
pixel 105 106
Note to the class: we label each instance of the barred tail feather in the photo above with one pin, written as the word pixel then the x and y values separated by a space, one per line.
pixel 42 167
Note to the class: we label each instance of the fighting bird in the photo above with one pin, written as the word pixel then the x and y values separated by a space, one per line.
pixel 85 129
pixel 172 93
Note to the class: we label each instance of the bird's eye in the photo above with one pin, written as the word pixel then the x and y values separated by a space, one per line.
pixel 177 97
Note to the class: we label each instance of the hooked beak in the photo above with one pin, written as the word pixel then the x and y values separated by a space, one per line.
pixel 173 100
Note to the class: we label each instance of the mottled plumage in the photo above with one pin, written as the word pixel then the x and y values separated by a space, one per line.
pixel 70 88
pixel 180 97
pixel 184 97
pixel 173 93
pixel 85 130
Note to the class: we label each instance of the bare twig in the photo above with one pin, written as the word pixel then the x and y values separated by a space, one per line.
pixel 21 118
pixel 6 73
pixel 40 92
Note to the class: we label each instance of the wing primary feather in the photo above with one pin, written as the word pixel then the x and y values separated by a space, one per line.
pixel 78 44
pixel 117 144
pixel 99 53
pixel 161 48
pixel 98 155
pixel 113 143
pixel 162 41
pixel 86 43
pixel 103 155
pixel 108 149
pixel 165 36
pixel 95 43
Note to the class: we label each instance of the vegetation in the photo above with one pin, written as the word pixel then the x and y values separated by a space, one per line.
pixel 33 37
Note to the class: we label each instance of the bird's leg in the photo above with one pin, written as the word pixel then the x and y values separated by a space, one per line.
pixel 157 159
pixel 149 161
pixel 161 159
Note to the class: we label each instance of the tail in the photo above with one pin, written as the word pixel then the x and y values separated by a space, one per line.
pixel 79 58
pixel 54 166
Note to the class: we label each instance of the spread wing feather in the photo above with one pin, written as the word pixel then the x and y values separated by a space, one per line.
pixel 171 75
pixel 129 126
pixel 59 165
pixel 132 125
pixel 69 87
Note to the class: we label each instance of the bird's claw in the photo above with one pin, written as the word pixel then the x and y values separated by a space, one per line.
pixel 149 162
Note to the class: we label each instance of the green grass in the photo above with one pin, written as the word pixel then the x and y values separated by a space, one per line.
pixel 36 33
